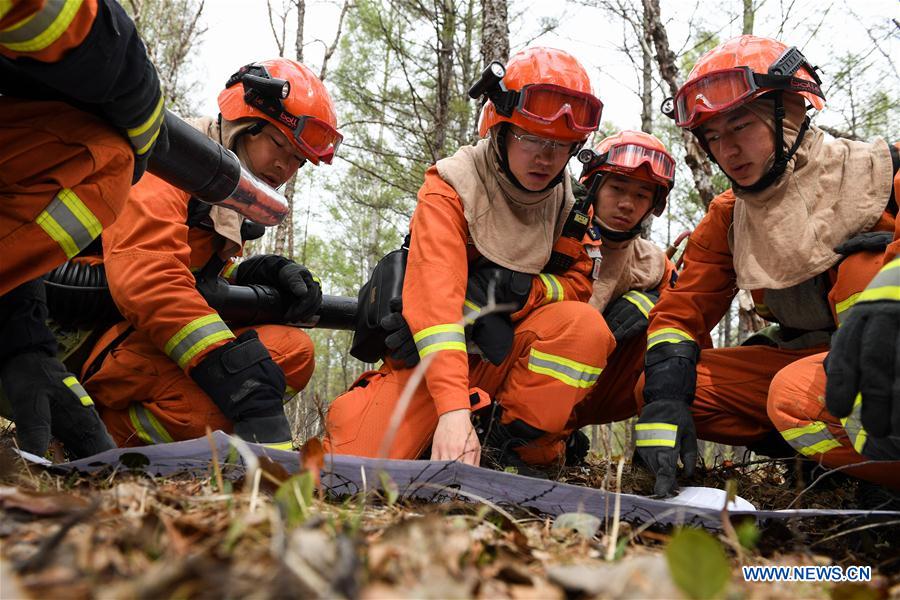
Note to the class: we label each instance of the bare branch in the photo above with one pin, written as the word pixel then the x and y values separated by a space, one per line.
pixel 329 51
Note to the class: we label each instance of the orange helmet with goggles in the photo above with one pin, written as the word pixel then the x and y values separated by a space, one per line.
pixel 544 91
pixel 290 96
pixel 739 71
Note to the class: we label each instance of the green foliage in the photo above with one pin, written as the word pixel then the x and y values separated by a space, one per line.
pixel 698 563
pixel 389 487
pixel 748 534
pixel 295 497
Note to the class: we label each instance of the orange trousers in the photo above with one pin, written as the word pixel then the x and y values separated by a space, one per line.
pixel 64 176
pixel 797 408
pixel 572 334
pixel 145 398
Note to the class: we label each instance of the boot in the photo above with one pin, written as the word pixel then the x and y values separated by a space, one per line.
pixel 499 441
pixel 773 445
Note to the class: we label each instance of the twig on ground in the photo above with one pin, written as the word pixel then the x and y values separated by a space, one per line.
pixel 41 557
pixel 614 534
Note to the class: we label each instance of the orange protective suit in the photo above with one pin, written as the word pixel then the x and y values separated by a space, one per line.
pixel 142 385
pixel 559 349
pixel 737 401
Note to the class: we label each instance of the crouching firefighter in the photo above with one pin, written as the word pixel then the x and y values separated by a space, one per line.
pixel 627 177
pixel 80 114
pixel 173 367
pixel 488 225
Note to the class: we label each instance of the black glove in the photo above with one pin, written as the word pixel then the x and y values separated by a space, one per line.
pixel 627 316
pixel 864 360
pixel 665 431
pixel 248 387
pixel 45 399
pixel 399 340
pixel 492 333
pixel 577 447
pixel 300 289
pixel 870 241
pixel 506 285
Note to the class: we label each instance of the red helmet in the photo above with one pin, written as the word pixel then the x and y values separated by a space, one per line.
pixel 546 92
pixel 634 154
pixel 290 96
pixel 739 71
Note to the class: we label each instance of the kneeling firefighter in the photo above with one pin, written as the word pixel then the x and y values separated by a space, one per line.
pixel 174 368
pixel 488 225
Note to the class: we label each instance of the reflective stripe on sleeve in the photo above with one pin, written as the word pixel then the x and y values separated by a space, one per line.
pixel 143 136
pixel 811 439
pixel 147 426
pixel 195 337
pixel 449 336
pixel 841 308
pixel 655 434
pixel 69 222
pixel 641 300
pixel 668 335
pixel 5 7
pixel 229 270
pixel 852 424
pixel 73 384
pixel 566 370
pixel 885 285
pixel 470 311
pixel 553 289
pixel 42 28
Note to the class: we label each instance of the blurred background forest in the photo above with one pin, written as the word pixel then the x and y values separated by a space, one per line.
pixel 399 70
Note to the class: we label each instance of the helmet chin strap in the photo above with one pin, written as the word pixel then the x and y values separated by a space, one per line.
pixel 504 162
pixel 613 235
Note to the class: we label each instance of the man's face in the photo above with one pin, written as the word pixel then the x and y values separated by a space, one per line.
pixel 741 143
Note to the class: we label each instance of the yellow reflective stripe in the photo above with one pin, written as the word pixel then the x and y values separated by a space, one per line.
pixel 147 426
pixel 553 289
pixel 885 285
pixel 195 337
pixel 5 7
pixel 640 300
pixel 844 305
pixel 143 136
pixel 449 336
pixel 42 28
pixel 69 222
pixel 811 439
pixel 229 270
pixel 566 370
pixel 470 311
pixel 655 434
pixel 73 384
pixel 852 424
pixel 668 335
pixel 289 446
pixel 289 393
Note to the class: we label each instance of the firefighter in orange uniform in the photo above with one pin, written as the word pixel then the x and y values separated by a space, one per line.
pixel 80 113
pixel 174 367
pixel 629 176
pixel 796 229
pixel 487 221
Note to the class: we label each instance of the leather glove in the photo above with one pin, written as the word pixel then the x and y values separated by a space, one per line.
pixel 665 429
pixel 301 291
pixel 628 315
pixel 399 341
pixel 492 333
pixel 248 387
pixel 45 399
pixel 504 285
pixel 870 241
pixel 864 362
pixel 663 433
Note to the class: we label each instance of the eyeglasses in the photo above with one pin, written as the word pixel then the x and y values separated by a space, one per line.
pixel 538 145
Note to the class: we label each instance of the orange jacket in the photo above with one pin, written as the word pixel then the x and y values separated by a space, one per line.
pixel 707 283
pixel 149 255
pixel 434 289
pixel 45 31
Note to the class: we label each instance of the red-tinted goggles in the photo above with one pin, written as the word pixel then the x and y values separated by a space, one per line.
pixel 546 102
pixel 722 90
pixel 626 158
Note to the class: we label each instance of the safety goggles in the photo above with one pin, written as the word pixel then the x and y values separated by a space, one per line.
pixel 545 103
pixel 626 158
pixel 722 90
pixel 312 135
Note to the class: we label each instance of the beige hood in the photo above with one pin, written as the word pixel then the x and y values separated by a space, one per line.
pixel 637 265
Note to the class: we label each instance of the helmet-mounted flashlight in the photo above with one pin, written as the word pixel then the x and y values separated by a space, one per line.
pixel 268 87
pixel 489 81
pixel 668 107
pixel 585 156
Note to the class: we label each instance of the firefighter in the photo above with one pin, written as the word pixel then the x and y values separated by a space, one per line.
pixel 80 113
pixel 628 176
pixel 487 222
pixel 174 367
pixel 789 231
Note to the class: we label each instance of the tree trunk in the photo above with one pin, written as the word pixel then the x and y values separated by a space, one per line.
pixel 301 19
pixel 284 233
pixel 494 32
pixel 445 26
pixel 695 157
pixel 646 42
pixel 749 15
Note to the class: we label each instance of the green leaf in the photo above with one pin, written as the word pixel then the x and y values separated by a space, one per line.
pixel 391 493
pixel 295 496
pixel 698 563
pixel 748 534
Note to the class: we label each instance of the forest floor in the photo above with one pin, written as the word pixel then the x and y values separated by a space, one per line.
pixel 129 535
